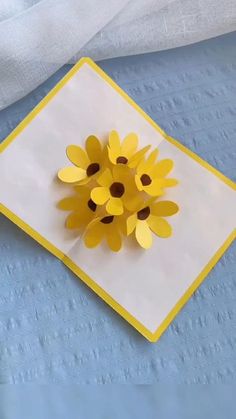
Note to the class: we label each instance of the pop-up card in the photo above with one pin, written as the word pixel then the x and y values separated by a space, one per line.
pixel 133 213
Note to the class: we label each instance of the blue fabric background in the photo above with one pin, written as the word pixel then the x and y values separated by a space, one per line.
pixel 117 402
pixel 52 327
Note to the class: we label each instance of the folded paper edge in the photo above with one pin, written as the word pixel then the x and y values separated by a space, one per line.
pixel 152 337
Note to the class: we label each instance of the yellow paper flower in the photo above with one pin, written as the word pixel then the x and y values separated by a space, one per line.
pixel 148 218
pixel 87 164
pixel 151 176
pixel 117 190
pixel 83 209
pixel 125 152
pixel 115 202
pixel 107 228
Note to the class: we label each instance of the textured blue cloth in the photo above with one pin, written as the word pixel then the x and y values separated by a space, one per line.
pixel 52 327
pixel 117 402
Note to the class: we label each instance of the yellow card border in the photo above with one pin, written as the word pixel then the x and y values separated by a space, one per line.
pixel 152 337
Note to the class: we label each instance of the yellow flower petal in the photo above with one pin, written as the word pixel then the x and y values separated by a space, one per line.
pixel 162 168
pixel 141 168
pixel 132 202
pixel 114 240
pixel 94 148
pixel 114 141
pixel 159 226
pixel 154 189
pixel 71 174
pixel 115 206
pixel 164 208
pixel 166 183
pixel 77 156
pixel 121 173
pixel 112 155
pixel 75 220
pixel 85 181
pixel 70 203
pixel 146 165
pixel 105 159
pixel 137 157
pixel 129 145
pixel 100 195
pixel 138 183
pixel 93 235
pixel 143 234
pixel 105 179
pixel 131 223
pixel 152 158
pixel 82 190
pixel 122 224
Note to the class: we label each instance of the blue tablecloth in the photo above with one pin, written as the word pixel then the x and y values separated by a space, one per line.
pixel 52 327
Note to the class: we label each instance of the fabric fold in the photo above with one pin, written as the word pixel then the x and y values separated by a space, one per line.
pixel 37 37
pixel 36 43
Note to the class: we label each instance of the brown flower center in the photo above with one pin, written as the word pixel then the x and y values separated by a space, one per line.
pixel 92 169
pixel 143 213
pixel 122 160
pixel 145 179
pixel 92 205
pixel 117 189
pixel 108 219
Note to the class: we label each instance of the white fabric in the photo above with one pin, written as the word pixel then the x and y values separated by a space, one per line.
pixel 9 8
pixel 147 284
pixel 39 36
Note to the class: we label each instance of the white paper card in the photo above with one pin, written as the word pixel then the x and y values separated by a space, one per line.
pixel 147 284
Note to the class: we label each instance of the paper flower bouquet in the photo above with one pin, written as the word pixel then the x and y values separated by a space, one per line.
pixel 116 191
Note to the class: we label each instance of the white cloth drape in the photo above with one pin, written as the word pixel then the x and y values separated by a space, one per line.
pixel 39 36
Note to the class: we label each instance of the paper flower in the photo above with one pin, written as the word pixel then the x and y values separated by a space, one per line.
pixel 107 228
pixel 83 209
pixel 148 218
pixel 125 152
pixel 87 164
pixel 151 175
pixel 112 186
pixel 116 189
